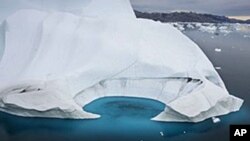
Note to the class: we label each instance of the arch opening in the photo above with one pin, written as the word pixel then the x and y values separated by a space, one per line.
pixel 163 90
pixel 129 107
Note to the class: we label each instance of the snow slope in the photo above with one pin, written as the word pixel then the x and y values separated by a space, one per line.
pixel 54 63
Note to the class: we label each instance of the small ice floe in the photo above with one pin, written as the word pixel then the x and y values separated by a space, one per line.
pixel 217 50
pixel 225 29
pixel 198 24
pixel 215 120
pixel 179 26
pixel 208 28
pixel 218 68
pixel 184 132
pixel 190 26
pixel 162 134
pixel 246 36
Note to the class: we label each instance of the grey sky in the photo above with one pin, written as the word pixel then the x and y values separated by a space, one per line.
pixel 220 7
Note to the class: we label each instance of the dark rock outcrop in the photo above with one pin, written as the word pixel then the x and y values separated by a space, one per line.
pixel 187 17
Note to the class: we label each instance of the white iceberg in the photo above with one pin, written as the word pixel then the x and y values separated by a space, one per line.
pixel 53 63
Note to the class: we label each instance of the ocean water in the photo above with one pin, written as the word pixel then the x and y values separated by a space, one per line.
pixel 128 119
pixel 123 119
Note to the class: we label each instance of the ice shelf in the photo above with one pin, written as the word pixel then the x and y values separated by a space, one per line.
pixel 53 63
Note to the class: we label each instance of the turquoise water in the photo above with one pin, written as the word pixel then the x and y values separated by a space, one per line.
pixel 123 119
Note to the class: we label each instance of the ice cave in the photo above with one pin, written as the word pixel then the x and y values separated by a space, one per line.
pixel 53 62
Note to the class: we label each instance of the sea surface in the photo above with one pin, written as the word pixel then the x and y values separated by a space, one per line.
pixel 128 119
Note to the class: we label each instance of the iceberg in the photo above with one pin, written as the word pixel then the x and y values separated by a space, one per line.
pixel 53 63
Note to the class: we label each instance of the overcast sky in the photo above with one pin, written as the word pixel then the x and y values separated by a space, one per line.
pixel 220 7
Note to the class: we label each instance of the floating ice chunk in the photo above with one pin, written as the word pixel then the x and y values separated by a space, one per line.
pixel 242 27
pixel 225 29
pixel 215 120
pixel 246 36
pixel 198 24
pixel 190 26
pixel 217 50
pixel 179 26
pixel 208 28
pixel 218 68
pixel 161 133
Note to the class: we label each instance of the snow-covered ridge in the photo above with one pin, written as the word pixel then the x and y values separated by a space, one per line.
pixel 54 63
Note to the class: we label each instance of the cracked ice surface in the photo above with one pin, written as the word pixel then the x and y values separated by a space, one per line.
pixel 54 63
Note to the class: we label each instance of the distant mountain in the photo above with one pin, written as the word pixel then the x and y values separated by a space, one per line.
pixel 187 17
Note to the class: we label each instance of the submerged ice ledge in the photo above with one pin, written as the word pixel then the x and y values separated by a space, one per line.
pixel 54 63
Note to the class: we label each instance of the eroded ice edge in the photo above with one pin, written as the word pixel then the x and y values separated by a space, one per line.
pixel 53 63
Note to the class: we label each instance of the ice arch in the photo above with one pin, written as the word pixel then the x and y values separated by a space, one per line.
pixel 160 89
pixel 177 93
pixel 54 62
